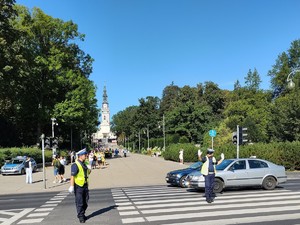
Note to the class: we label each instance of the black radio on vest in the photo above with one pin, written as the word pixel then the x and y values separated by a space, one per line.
pixel 27 164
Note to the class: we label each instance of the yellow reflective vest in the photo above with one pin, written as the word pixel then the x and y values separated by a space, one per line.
pixel 204 169
pixel 79 179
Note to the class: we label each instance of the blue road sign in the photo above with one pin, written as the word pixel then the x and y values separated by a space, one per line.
pixel 212 133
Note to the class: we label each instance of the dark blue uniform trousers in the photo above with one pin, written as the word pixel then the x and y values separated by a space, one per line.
pixel 209 186
pixel 81 199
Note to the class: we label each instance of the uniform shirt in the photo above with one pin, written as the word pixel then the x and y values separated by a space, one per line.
pixel 210 164
pixel 75 169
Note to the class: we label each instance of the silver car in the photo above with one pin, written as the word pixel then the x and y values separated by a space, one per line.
pixel 17 166
pixel 244 172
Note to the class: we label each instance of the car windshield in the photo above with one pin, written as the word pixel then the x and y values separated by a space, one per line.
pixel 224 164
pixel 16 161
pixel 195 165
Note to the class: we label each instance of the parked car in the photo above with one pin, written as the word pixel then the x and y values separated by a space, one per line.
pixel 242 172
pixel 17 166
pixel 177 177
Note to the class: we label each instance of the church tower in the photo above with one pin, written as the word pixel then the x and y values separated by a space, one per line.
pixel 104 137
pixel 105 116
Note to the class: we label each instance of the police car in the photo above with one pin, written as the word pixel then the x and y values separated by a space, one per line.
pixel 17 166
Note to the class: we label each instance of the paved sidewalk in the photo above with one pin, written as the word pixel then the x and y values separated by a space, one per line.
pixel 134 170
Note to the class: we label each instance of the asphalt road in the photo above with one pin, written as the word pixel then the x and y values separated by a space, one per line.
pixel 157 205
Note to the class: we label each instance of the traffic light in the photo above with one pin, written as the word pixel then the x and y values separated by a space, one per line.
pixel 47 143
pixel 242 135
pixel 234 138
pixel 55 143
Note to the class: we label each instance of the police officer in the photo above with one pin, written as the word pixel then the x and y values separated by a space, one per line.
pixel 79 184
pixel 209 170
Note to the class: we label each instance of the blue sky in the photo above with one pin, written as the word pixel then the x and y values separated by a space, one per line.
pixel 141 46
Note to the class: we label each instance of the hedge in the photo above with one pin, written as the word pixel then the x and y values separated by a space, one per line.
pixel 36 153
pixel 282 153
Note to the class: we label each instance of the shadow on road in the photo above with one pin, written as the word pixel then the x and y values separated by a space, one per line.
pixel 101 211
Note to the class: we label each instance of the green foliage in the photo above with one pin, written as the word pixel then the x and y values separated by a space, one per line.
pixel 286 154
pixel 9 153
pixel 189 153
pixel 43 74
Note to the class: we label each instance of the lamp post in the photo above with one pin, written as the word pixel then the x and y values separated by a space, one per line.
pixel 53 123
pixel 291 84
pixel 164 130
pixel 43 158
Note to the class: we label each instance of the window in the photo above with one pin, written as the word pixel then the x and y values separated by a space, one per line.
pixel 239 165
pixel 255 164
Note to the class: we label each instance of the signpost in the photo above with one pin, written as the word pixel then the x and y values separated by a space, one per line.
pixel 212 133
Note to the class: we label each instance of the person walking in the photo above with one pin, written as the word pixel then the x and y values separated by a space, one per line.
pixel 28 168
pixel 56 165
pixel 61 169
pixel 79 184
pixel 208 170
pixel 181 156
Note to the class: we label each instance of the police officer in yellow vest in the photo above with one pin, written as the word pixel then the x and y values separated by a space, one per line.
pixel 209 170
pixel 79 184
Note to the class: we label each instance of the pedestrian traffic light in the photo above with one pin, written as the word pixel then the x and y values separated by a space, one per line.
pixel 55 143
pixel 47 143
pixel 243 135
pixel 234 138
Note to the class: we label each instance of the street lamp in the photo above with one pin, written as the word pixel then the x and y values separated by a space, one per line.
pixel 164 130
pixel 291 84
pixel 53 123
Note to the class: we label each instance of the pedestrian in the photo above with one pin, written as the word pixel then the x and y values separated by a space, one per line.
pixel 56 165
pixel 79 184
pixel 28 168
pixel 208 170
pixel 181 156
pixel 61 169
pixel 199 154
pixel 91 158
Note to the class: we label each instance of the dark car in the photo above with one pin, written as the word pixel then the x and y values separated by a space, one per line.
pixel 176 177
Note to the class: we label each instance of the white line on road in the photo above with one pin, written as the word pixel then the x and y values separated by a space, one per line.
pixel 18 216
pixel 252 219
pixel 38 214
pixel 133 220
pixel 44 210
pixel 221 213
pixel 49 205
pixel 31 221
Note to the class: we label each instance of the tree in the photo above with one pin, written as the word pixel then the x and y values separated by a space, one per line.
pixel 286 62
pixel 252 80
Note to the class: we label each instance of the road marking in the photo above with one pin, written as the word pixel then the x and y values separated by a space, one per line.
pixel 43 209
pixel 38 214
pixel 252 219
pixel 133 220
pixel 51 202
pixel 184 206
pixel 49 205
pixel 17 216
pixel 31 221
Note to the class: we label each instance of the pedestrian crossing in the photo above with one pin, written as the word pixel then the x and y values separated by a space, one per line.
pixel 38 215
pixel 31 215
pixel 162 205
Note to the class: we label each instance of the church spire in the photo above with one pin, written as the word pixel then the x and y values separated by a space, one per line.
pixel 105 101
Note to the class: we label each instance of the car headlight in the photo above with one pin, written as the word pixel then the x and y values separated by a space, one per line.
pixel 178 175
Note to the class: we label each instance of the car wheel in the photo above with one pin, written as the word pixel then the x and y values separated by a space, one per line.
pixel 219 186
pixel 269 183
pixel 23 171
pixel 181 182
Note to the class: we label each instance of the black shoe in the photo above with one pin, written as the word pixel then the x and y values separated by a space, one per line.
pixel 82 220
pixel 212 200
pixel 209 201
pixel 85 218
